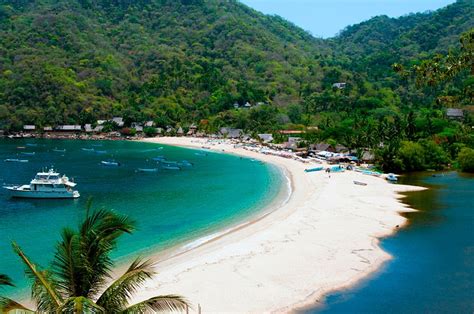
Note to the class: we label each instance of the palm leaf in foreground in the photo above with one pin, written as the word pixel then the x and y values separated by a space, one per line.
pixel 7 304
pixel 82 266
pixel 116 297
pixel 165 303
pixel 5 281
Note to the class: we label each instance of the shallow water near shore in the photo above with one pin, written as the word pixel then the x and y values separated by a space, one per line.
pixel 169 207
pixel 432 270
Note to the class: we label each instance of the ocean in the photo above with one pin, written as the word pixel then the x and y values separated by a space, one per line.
pixel 171 208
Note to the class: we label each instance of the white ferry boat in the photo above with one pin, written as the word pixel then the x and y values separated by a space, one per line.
pixel 46 185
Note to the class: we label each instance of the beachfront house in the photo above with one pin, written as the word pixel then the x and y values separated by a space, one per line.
pixel 247 105
pixel 456 114
pixel 292 143
pixel 192 130
pixel 89 129
pixel 236 105
pixel 230 133
pixel 29 128
pixel 137 126
pixel 48 129
pixel 368 156
pixel 341 149
pixel 320 147
pixel 68 128
pixel 149 124
pixel 266 138
pixel 180 131
pixel 119 121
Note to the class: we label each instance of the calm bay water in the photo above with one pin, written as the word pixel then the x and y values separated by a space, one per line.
pixel 433 266
pixel 170 207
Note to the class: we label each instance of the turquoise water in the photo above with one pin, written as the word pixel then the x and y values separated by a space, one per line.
pixel 433 266
pixel 170 207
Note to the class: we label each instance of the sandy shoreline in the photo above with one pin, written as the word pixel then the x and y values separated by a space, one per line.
pixel 324 238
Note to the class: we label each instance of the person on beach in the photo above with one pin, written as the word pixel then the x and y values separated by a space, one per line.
pixel 328 171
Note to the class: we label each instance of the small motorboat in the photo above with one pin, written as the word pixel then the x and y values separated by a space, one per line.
pixel 147 170
pixel 57 150
pixel 111 163
pixel 31 145
pixel 28 153
pixel 392 177
pixel 360 183
pixel 314 169
pixel 15 160
pixel 170 167
pixel 185 163
pixel 101 152
pixel 200 154
pixel 87 149
pixel 159 158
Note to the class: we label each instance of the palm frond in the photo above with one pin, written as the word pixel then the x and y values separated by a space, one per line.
pixel 80 305
pixel 98 237
pixel 116 297
pixel 43 289
pixel 66 265
pixel 166 303
pixel 5 281
pixel 7 305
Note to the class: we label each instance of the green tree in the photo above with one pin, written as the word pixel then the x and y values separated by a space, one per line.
pixel 466 159
pixel 75 282
pixel 412 156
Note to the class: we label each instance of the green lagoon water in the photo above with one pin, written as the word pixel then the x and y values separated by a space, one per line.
pixel 432 270
pixel 170 207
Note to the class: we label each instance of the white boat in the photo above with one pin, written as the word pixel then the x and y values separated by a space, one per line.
pixel 170 167
pixel 15 160
pixel 147 169
pixel 185 163
pixel 49 184
pixel 57 150
pixel 392 177
pixel 28 153
pixel 88 149
pixel 110 163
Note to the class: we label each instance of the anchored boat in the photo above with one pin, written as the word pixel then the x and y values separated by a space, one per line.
pixel 15 160
pixel 112 163
pixel 47 184
pixel 392 177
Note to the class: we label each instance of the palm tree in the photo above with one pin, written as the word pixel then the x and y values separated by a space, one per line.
pixel 77 280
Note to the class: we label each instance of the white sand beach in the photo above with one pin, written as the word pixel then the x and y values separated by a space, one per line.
pixel 325 237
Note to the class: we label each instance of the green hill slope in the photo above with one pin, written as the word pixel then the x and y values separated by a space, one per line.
pixel 177 62
pixel 75 61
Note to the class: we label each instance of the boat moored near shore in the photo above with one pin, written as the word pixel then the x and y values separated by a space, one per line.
pixel 49 184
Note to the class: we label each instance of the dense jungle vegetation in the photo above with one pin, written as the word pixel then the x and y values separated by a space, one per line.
pixel 183 62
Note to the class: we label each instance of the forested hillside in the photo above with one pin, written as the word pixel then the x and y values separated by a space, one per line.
pixel 180 62
pixel 68 61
